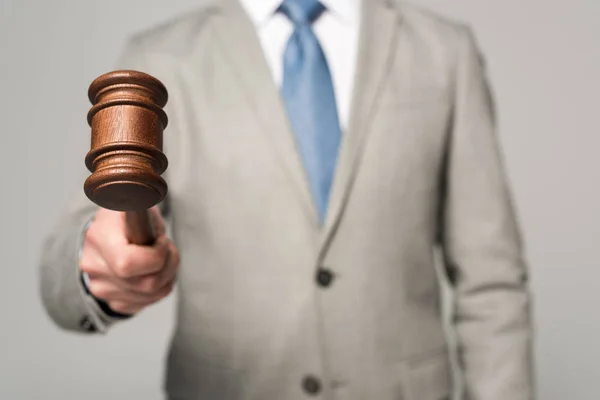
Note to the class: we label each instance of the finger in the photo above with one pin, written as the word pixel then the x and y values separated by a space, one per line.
pixel 157 221
pixel 111 291
pixel 92 263
pixel 132 261
pixel 128 306
pixel 153 283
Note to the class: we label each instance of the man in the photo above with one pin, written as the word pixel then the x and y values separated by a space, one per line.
pixel 306 207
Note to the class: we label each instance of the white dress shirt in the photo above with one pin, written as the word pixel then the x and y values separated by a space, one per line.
pixel 337 30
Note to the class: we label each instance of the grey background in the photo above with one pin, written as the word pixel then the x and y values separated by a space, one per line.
pixel 544 61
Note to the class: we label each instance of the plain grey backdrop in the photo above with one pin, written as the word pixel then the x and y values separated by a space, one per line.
pixel 543 58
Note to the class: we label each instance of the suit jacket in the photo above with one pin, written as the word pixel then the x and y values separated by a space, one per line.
pixel 420 173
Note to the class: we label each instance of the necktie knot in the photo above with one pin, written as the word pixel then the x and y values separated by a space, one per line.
pixel 302 12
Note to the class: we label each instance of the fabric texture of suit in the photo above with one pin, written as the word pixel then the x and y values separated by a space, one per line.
pixel 420 171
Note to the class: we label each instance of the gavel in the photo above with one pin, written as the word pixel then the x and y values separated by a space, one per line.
pixel 126 158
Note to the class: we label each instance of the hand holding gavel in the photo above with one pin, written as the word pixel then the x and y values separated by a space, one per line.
pixel 129 259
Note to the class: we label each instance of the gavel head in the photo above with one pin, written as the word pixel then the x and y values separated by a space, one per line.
pixel 126 158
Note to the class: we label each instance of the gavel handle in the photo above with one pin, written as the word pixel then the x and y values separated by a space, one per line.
pixel 139 228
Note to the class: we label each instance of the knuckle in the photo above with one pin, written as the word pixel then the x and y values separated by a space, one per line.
pixel 149 285
pixel 158 260
pixel 123 267
pixel 162 252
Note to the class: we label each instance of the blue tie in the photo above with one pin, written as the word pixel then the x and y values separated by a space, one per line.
pixel 309 98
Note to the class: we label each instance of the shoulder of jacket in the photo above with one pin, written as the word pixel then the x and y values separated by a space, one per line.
pixel 174 35
pixel 428 23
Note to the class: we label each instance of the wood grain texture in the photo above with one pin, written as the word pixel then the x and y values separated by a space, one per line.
pixel 126 157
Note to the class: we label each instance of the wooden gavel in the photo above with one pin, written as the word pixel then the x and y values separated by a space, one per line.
pixel 126 157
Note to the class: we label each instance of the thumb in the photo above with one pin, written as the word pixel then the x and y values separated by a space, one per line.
pixel 158 222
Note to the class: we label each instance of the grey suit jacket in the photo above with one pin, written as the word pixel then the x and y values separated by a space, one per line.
pixel 420 171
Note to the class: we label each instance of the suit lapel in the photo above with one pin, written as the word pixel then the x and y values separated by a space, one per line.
pixel 379 30
pixel 242 48
pixel 239 41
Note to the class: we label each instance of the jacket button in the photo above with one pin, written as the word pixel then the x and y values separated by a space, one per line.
pixel 324 277
pixel 87 325
pixel 311 385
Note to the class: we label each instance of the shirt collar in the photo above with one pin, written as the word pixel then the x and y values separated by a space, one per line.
pixel 260 11
pixel 347 11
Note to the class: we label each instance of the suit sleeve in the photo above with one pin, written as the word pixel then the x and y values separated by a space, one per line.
pixel 482 246
pixel 64 295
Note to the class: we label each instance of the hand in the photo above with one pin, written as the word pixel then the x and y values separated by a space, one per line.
pixel 126 276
